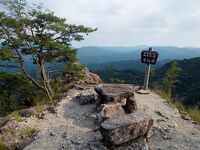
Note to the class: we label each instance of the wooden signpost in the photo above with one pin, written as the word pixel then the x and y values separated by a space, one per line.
pixel 148 57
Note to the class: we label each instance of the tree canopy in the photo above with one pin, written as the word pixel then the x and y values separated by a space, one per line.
pixel 29 29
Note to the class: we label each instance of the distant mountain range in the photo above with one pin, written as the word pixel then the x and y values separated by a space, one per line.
pixel 120 58
pixel 97 55
pixel 125 65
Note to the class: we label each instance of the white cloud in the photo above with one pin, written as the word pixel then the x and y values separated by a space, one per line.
pixel 133 22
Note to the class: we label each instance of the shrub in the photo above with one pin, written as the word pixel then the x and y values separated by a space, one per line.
pixel 75 70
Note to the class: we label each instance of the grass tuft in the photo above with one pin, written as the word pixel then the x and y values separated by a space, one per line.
pixel 16 116
pixel 2 143
pixel 26 132
pixel 194 113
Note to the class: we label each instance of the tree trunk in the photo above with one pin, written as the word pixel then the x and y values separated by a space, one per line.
pixel 46 81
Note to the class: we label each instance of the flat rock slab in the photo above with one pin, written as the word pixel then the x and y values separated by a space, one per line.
pixel 143 91
pixel 123 129
pixel 114 93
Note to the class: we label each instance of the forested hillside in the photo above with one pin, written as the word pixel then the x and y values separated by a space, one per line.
pixel 187 89
pixel 126 76
pixel 125 65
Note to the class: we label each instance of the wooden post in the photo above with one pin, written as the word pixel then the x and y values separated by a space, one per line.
pixel 146 79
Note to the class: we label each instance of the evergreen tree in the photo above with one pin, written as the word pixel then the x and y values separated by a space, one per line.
pixel 170 78
pixel 33 30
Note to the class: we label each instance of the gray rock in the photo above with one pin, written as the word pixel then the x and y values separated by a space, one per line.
pixel 88 97
pixel 136 144
pixel 11 124
pixel 110 111
pixel 3 122
pixel 27 112
pixel 131 105
pixel 125 128
pixel 91 78
pixel 186 117
pixel 114 93
pixel 23 143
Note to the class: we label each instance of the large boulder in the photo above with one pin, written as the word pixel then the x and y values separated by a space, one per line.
pixel 91 78
pixel 114 93
pixel 110 111
pixel 87 97
pixel 125 128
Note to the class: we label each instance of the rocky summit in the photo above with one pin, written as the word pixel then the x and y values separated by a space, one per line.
pixel 84 119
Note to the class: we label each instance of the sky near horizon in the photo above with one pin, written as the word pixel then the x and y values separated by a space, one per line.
pixel 133 22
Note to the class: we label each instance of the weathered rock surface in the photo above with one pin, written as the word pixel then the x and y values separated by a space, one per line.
pixel 125 128
pixel 131 105
pixel 136 144
pixel 10 124
pixel 3 122
pixel 91 78
pixel 74 127
pixel 114 93
pixel 88 97
pixel 110 111
pixel 27 112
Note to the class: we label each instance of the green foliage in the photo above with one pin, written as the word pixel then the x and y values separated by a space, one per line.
pixel 75 70
pixel 33 30
pixel 129 76
pixel 9 137
pixel 15 115
pixel 26 132
pixel 2 143
pixel 188 86
pixel 194 113
pixel 6 53
pixel 179 105
pixel 117 81
pixel 170 78
pixel 17 92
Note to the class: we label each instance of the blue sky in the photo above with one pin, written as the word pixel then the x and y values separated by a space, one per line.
pixel 133 22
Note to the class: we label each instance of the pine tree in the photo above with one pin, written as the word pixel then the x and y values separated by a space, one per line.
pixel 170 78
pixel 35 31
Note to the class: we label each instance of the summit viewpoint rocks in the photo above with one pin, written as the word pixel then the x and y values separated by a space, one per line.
pixel 76 123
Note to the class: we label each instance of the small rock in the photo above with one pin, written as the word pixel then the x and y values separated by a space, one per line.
pixel 41 115
pixel 3 122
pixel 94 116
pixel 161 114
pixel 194 122
pixel 186 117
pixel 52 134
pixel 27 112
pixel 161 120
pixel 176 147
pixel 22 143
pixel 64 135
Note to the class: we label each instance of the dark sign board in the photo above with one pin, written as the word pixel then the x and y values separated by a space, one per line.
pixel 149 57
